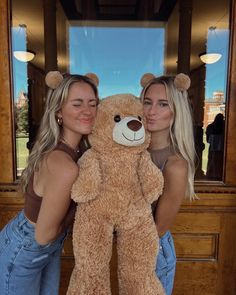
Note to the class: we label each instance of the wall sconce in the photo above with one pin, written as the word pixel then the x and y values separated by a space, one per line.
pixel 210 57
pixel 23 55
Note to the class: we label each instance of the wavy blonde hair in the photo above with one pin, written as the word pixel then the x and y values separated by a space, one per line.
pixel 181 129
pixel 49 130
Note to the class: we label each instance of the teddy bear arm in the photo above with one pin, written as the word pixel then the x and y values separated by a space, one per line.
pixel 151 178
pixel 87 185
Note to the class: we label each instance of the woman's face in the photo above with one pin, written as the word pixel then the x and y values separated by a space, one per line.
pixel 156 108
pixel 79 111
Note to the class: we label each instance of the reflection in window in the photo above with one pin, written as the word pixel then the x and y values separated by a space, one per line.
pixel 119 53
pixel 20 98
pixel 208 92
pixel 214 107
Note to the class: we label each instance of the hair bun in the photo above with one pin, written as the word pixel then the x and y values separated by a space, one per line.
pixel 93 77
pixel 146 78
pixel 53 79
pixel 182 82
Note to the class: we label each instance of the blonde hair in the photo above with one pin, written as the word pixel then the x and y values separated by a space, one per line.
pixel 49 131
pixel 181 129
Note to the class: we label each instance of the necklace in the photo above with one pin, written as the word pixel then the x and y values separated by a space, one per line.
pixel 76 150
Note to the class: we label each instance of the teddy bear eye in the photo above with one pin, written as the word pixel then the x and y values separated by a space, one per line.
pixel 117 118
pixel 140 119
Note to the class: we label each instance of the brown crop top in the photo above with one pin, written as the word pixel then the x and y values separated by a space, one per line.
pixel 33 201
pixel 160 158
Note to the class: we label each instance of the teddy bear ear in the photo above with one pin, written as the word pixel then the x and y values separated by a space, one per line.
pixel 53 79
pixel 146 78
pixel 182 82
pixel 93 77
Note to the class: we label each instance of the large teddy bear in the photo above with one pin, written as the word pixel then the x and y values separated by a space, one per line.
pixel 116 185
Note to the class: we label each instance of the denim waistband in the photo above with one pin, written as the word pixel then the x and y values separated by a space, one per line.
pixel 166 236
pixel 21 226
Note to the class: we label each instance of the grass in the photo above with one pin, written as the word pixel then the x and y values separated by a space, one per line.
pixel 21 152
pixel 205 153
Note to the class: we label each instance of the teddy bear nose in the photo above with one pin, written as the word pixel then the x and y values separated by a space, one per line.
pixel 134 125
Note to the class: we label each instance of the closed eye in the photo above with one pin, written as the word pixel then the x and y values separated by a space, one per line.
pixel 163 104
pixel 147 102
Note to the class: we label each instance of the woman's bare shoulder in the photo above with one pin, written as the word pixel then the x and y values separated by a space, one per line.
pixel 61 165
pixel 177 164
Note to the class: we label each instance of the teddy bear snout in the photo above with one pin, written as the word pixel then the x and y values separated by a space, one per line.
pixel 134 125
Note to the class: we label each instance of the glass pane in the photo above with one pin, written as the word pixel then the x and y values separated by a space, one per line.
pixel 118 52
pixel 210 40
pixel 21 105
pixel 28 72
pixel 120 47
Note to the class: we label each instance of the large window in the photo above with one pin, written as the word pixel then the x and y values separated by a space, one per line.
pixel 120 48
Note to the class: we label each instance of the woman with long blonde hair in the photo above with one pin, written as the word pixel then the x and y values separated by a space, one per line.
pixel 31 243
pixel 169 119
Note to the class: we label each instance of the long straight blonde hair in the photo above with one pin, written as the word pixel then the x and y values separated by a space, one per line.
pixel 181 129
pixel 49 131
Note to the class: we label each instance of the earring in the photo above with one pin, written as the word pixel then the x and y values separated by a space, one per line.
pixel 59 121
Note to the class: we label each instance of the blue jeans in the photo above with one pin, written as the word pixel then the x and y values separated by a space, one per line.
pixel 26 267
pixel 166 262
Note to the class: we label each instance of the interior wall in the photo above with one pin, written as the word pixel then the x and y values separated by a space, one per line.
pixel 204 230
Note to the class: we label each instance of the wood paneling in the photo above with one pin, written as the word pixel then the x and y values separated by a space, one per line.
pixel 204 230
pixel 7 171
pixel 196 223
pixel 196 278
pixel 230 155
pixel 205 244
pixel 196 246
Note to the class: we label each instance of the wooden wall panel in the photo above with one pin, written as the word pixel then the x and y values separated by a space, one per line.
pixel 230 161
pixel 66 269
pixel 196 246
pixel 226 279
pixel 196 223
pixel 204 237
pixel 204 230
pixel 196 278
pixel 7 171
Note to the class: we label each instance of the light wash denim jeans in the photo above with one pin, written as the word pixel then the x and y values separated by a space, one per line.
pixel 166 262
pixel 27 268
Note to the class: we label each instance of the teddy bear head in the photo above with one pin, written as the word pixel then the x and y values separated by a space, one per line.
pixel 120 125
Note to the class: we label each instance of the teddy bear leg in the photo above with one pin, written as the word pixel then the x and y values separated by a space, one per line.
pixel 137 249
pixel 92 246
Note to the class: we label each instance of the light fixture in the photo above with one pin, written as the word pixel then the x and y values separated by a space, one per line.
pixel 23 55
pixel 210 57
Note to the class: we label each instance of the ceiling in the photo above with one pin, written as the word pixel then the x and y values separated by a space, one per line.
pixel 167 11
pixel 118 9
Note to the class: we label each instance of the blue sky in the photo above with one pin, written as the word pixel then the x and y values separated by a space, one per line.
pixel 121 55
pixel 215 73
pixel 19 68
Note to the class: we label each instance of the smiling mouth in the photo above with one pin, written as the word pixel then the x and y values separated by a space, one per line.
pixel 84 121
pixel 132 139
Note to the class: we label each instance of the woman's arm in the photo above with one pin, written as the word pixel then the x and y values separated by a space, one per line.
pixel 58 173
pixel 175 182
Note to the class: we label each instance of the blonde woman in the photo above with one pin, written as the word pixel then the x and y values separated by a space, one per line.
pixel 31 243
pixel 167 111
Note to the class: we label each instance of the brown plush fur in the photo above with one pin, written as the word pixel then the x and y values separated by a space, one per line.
pixel 115 188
